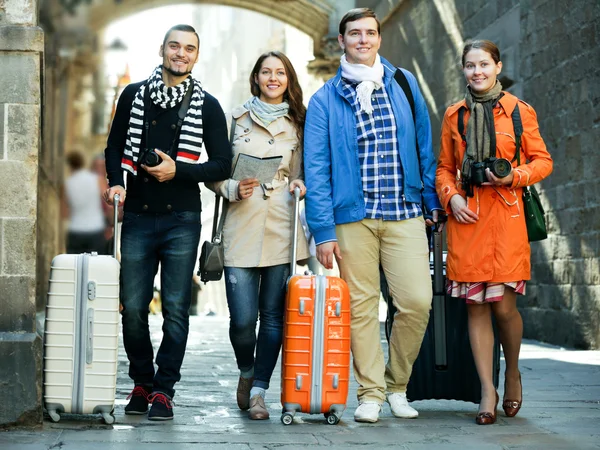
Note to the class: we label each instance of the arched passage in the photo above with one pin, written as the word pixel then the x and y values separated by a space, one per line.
pixel 310 17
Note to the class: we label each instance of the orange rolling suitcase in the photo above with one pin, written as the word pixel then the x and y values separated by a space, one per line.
pixel 316 343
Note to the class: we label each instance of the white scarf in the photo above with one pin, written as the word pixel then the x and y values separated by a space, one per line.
pixel 370 79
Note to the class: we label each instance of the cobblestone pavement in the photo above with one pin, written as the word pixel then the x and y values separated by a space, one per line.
pixel 561 411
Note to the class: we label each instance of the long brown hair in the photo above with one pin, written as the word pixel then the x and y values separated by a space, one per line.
pixel 483 44
pixel 292 95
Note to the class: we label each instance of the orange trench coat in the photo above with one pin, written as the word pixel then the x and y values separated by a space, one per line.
pixel 495 248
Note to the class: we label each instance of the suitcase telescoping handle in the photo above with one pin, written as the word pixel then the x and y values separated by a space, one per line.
pixel 438 262
pixel 295 230
pixel 116 200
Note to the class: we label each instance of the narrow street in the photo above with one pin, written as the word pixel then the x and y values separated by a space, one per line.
pixel 561 410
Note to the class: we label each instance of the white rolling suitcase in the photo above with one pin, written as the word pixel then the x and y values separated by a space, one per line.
pixel 81 334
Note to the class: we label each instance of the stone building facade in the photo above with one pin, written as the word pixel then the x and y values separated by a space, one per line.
pixel 551 55
pixel 21 65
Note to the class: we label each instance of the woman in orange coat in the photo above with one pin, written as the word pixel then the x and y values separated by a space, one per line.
pixel 488 250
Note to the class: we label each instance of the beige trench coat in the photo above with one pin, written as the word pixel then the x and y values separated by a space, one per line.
pixel 258 230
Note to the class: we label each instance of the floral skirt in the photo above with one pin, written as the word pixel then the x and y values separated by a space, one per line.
pixel 481 292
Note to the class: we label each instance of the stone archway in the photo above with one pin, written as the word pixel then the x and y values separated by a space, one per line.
pixel 310 17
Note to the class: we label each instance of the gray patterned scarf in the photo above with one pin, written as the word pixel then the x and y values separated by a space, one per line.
pixel 266 112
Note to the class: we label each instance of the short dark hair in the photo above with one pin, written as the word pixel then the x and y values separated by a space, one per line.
pixel 181 27
pixel 75 160
pixel 356 14
pixel 485 45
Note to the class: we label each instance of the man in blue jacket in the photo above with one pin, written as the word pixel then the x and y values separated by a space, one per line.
pixel 364 205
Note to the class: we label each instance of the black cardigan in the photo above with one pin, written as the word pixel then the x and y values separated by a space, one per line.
pixel 182 193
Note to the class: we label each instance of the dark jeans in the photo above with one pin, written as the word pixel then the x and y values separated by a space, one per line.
pixel 147 239
pixel 250 292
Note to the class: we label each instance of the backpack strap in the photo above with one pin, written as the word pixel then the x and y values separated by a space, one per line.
pixel 403 82
pixel 401 79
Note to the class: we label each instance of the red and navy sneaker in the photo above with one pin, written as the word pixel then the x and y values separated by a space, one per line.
pixel 138 400
pixel 162 407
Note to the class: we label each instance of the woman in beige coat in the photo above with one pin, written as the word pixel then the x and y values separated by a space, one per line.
pixel 257 233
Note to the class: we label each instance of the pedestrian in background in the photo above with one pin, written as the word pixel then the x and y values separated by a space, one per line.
pixel 366 181
pixel 98 166
pixel 82 206
pixel 488 250
pixel 257 234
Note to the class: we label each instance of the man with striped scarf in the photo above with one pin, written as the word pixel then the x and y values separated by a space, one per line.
pixel 160 127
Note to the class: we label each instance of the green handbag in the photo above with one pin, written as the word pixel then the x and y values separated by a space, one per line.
pixel 534 215
pixel 532 206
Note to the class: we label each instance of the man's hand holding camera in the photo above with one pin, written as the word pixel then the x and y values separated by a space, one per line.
pixel 165 171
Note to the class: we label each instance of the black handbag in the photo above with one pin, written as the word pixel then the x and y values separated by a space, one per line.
pixel 212 257
pixel 535 219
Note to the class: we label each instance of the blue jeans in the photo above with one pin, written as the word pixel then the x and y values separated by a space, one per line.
pixel 251 291
pixel 147 240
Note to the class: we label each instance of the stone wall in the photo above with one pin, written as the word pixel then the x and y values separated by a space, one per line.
pixel 551 55
pixel 21 56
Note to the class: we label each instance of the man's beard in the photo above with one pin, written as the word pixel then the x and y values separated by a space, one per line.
pixel 174 73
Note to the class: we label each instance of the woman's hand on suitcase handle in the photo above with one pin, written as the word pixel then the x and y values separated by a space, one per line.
pixel 325 253
pixel 109 194
pixel 461 211
pixel 298 184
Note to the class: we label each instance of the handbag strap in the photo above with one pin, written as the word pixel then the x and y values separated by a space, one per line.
pixel 218 222
pixel 518 127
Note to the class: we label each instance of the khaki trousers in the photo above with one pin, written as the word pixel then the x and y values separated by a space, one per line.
pixel 401 248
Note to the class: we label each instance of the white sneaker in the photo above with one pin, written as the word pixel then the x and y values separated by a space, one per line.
pixel 367 412
pixel 400 407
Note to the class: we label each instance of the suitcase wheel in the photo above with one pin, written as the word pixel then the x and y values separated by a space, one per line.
pixel 331 418
pixel 287 418
pixel 109 419
pixel 54 416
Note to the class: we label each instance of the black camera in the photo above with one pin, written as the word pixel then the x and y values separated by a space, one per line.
pixel 149 157
pixel 500 167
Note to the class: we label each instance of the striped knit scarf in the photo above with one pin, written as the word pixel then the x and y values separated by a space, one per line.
pixel 190 138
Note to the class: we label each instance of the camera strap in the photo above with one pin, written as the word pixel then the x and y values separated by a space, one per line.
pixel 183 108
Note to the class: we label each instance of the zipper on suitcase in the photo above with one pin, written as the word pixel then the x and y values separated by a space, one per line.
pixel 80 332
pixel 318 360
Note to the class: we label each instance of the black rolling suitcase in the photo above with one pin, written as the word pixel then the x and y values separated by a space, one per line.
pixel 444 368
